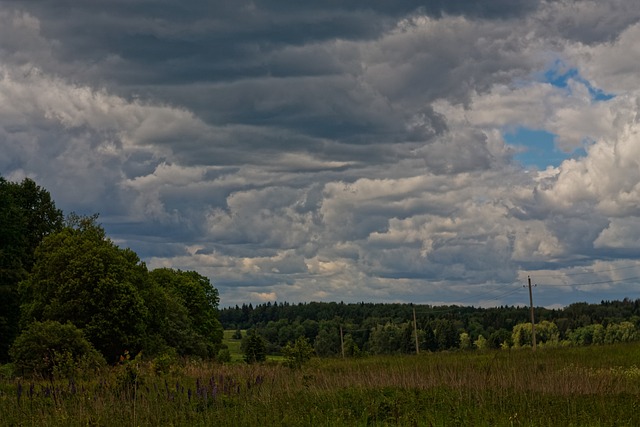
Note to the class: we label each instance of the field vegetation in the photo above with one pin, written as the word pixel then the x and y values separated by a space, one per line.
pixel 582 386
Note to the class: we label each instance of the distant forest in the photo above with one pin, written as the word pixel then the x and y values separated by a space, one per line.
pixel 389 328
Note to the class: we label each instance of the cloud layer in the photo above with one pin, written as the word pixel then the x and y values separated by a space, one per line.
pixel 339 152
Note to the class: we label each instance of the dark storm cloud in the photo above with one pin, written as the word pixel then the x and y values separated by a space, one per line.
pixel 271 65
pixel 293 150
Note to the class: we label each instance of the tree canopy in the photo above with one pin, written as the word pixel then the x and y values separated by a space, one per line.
pixel 70 273
pixel 27 215
pixel 80 276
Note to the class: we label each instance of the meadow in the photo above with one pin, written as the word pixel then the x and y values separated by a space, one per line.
pixel 578 386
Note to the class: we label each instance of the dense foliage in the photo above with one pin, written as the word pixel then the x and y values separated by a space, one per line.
pixel 334 328
pixel 45 348
pixel 27 215
pixel 57 275
pixel 80 276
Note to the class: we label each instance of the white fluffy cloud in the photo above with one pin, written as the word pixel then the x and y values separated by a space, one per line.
pixel 338 153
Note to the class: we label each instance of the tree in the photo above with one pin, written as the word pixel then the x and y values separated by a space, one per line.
pixel 391 338
pixel 27 215
pixel 298 353
pixel 255 348
pixel 446 334
pixel 521 335
pixel 196 293
pixel 351 349
pixel 45 347
pixel 620 332
pixel 429 343
pixel 327 342
pixel 481 343
pixel 546 333
pixel 171 326
pixel 497 338
pixel 465 341
pixel 80 276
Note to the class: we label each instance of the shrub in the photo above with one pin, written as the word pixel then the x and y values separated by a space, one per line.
pixel 48 348
pixel 224 356
pixel 298 353
pixel 163 363
pixel 7 371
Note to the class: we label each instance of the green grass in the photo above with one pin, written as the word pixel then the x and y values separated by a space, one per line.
pixel 233 346
pixel 589 386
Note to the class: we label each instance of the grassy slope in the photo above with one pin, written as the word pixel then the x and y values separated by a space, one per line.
pixel 233 345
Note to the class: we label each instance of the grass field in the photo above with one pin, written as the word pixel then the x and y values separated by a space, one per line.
pixel 587 386
pixel 233 345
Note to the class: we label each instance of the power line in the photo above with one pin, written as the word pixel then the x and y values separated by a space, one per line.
pixel 602 282
pixel 588 272
pixel 506 294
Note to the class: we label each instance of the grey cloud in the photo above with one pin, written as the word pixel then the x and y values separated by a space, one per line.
pixel 588 21
pixel 328 150
pixel 458 152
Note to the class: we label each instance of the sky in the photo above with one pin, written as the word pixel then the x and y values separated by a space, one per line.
pixel 434 152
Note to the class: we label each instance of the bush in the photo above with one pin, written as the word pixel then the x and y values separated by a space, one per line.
pixel 224 356
pixel 163 363
pixel 7 371
pixel 298 353
pixel 51 348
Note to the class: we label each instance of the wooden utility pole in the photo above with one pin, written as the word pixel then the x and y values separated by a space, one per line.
pixel 341 341
pixel 415 330
pixel 533 321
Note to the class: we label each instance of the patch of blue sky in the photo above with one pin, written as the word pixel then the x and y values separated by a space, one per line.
pixel 559 76
pixel 537 148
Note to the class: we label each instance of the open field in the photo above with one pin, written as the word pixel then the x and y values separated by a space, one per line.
pixel 233 345
pixel 587 386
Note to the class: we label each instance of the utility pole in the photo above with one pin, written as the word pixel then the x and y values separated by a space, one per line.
pixel 533 321
pixel 415 330
pixel 341 341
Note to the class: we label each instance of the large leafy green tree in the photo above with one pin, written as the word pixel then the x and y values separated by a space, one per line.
pixel 27 215
pixel 81 276
pixel 193 321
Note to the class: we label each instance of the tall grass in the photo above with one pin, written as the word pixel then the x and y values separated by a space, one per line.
pixel 597 386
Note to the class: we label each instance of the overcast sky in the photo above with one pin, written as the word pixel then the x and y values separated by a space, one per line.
pixel 349 151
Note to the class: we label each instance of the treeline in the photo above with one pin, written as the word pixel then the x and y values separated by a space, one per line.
pixel 389 328
pixel 69 295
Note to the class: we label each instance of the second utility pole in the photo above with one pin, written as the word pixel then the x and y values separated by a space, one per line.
pixel 533 322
